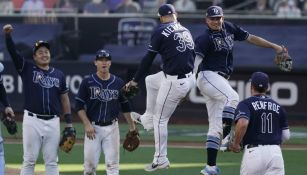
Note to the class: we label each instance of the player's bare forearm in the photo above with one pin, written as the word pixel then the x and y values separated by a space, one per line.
pixel 240 130
pixel 66 108
pixel 88 128
pixel 83 117
pixel 129 120
pixel 258 41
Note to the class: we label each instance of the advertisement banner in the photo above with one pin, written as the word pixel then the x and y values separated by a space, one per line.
pixel 286 88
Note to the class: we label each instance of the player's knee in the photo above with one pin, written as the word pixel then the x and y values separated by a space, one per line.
pixel 233 100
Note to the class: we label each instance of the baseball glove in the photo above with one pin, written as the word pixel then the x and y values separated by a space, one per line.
pixel 283 60
pixel 10 124
pixel 130 92
pixel 132 141
pixel 68 140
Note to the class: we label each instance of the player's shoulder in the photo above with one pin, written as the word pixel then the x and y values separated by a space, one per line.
pixel 56 71
pixel 89 78
pixel 117 79
pixel 205 36
pixel 230 25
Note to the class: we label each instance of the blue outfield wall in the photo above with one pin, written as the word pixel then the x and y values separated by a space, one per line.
pixel 287 88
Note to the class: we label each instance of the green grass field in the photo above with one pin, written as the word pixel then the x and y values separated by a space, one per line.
pixel 184 161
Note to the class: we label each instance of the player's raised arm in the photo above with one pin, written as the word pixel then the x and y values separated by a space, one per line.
pixel 258 41
pixel 17 58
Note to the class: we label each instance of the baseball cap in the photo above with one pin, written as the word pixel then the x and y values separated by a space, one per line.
pixel 103 54
pixel 166 9
pixel 260 80
pixel 39 44
pixel 214 11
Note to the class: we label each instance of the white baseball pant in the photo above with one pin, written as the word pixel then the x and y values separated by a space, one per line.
pixel 164 92
pixel 153 83
pixel 107 139
pixel 217 93
pixel 2 162
pixel 40 134
pixel 263 159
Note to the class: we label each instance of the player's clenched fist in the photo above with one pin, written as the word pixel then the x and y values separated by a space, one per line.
pixel 7 29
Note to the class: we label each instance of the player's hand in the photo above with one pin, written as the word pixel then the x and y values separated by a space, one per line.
pixel 90 131
pixel 129 84
pixel 235 147
pixel 278 49
pixel 9 111
pixel 7 29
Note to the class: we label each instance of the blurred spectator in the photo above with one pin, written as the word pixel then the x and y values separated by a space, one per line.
pixel 217 2
pixel 33 7
pixel 185 6
pixel 6 7
pixel 50 4
pixel 230 3
pixel 302 4
pixel 66 6
pixel 261 5
pixel 151 6
pixel 113 4
pixel 17 4
pixel 95 6
pixel 128 6
pixel 170 2
pixel 288 9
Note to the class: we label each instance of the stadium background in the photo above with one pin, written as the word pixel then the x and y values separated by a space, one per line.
pixel 75 37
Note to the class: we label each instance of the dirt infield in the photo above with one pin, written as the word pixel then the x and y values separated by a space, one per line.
pixel 14 171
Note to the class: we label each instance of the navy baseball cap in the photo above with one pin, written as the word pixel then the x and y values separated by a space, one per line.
pixel 260 80
pixel 39 44
pixel 214 11
pixel 103 54
pixel 166 9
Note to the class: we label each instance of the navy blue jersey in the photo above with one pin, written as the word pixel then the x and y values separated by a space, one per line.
pixel 266 118
pixel 3 95
pixel 102 98
pixel 176 46
pixel 42 88
pixel 216 48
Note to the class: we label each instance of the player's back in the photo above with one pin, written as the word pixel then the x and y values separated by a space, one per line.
pixel 267 119
pixel 176 46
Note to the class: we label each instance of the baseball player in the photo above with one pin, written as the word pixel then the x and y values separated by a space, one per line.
pixel 261 126
pixel 98 104
pixel 175 45
pixel 214 50
pixel 9 112
pixel 45 94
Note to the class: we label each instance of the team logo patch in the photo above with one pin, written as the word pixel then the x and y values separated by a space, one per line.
pixel 45 80
pixel 104 95
pixel 216 11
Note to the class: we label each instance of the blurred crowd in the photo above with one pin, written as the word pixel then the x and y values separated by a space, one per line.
pixel 283 8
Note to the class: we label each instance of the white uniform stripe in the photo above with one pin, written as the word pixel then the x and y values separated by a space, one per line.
pixel 161 115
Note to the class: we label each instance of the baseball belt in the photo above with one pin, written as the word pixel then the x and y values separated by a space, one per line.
pixel 101 123
pixel 41 116
pixel 180 76
pixel 226 76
